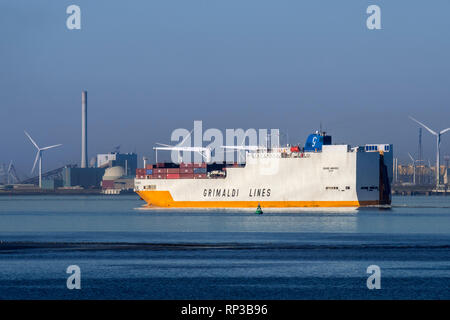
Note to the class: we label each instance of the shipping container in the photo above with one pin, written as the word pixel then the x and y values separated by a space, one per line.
pixel 140 171
pixel 159 170
pixel 160 165
pixel 149 176
pixel 199 165
pixel 173 176
pixel 149 166
pixel 173 170
pixel 149 171
pixel 186 170
pixel 199 170
pixel 199 175
pixel 186 176
pixel 186 165
pixel 108 184
pixel 159 176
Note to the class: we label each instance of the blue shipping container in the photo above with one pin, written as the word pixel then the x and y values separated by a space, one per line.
pixel 199 170
pixel 149 171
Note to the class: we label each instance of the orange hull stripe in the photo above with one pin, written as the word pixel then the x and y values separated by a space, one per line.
pixel 164 199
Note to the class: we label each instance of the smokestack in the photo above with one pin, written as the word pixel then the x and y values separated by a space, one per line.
pixel 84 156
pixel 145 162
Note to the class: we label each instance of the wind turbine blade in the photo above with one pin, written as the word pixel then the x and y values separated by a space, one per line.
pixel 32 141
pixel 431 131
pixel 49 147
pixel 162 144
pixel 444 131
pixel 35 161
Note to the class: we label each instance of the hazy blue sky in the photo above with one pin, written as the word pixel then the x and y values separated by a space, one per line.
pixel 153 66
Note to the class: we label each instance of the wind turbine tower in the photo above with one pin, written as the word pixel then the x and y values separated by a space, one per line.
pixel 420 154
pixel 414 166
pixel 438 148
pixel 39 156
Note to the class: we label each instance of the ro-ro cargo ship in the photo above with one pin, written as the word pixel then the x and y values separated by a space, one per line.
pixel 320 174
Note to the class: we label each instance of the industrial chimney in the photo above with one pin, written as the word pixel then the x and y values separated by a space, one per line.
pixel 145 162
pixel 84 156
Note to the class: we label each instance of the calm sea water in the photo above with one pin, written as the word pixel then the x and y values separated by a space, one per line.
pixel 126 252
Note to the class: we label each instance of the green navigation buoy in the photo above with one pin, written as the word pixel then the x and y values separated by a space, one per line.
pixel 259 210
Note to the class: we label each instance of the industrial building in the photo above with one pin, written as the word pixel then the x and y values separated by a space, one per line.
pixel 419 174
pixel 52 184
pixel 114 181
pixel 90 178
pixel 83 177
pixel 128 161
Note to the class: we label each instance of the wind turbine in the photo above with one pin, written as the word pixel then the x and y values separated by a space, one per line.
pixel 438 147
pixel 414 166
pixel 39 157
pixel 12 174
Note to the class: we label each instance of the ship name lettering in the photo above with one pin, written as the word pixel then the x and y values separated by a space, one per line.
pixel 260 192
pixel 221 193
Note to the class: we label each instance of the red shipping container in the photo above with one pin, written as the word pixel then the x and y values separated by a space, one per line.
pixel 200 176
pixel 140 171
pixel 199 165
pixel 173 170
pixel 108 184
pixel 186 176
pixel 186 165
pixel 186 170
pixel 160 165
pixel 149 166
pixel 173 176
pixel 159 170
pixel 159 176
